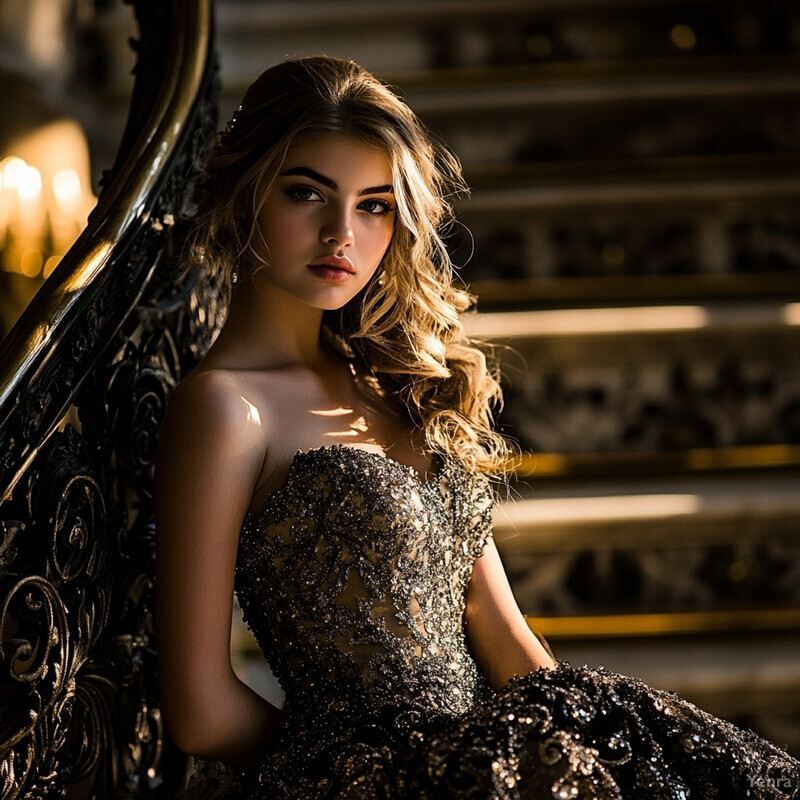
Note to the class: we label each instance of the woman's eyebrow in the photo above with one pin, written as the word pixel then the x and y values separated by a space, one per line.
pixel 330 183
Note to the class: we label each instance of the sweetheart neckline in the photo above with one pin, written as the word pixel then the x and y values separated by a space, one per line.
pixel 422 482
pixel 433 478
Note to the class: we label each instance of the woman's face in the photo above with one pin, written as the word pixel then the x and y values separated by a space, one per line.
pixel 327 221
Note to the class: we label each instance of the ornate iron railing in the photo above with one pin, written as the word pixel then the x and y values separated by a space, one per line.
pixel 84 378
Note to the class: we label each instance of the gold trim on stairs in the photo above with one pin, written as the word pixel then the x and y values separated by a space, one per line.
pixel 671 624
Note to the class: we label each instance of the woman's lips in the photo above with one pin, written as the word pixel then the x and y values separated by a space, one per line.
pixel 332 268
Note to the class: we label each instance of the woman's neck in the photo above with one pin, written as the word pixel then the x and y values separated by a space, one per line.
pixel 266 328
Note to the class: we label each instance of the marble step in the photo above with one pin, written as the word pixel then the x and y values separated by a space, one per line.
pixel 693 243
pixel 597 190
pixel 657 555
pixel 634 288
pixel 580 89
pixel 642 381
pixel 534 341
pixel 565 514
pixel 637 168
pixel 673 321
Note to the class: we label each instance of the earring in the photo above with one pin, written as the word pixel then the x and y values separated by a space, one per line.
pixel 234 276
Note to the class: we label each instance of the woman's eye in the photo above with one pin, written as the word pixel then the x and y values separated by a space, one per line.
pixel 305 194
pixel 377 207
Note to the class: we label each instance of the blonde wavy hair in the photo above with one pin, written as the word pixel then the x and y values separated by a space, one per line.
pixel 402 333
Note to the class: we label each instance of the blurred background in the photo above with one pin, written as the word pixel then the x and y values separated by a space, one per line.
pixel 634 238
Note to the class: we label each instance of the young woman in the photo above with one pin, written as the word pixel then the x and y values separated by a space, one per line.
pixel 328 458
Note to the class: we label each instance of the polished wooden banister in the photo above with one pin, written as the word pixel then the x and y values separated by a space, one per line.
pixel 84 378
pixel 125 205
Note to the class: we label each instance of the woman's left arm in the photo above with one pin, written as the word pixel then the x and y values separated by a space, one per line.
pixel 497 633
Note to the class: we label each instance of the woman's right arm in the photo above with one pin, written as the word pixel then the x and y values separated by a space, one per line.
pixel 211 449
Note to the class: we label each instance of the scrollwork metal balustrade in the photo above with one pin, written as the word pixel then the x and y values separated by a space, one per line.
pixel 84 378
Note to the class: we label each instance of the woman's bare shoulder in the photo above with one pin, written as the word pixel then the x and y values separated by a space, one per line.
pixel 220 394
pixel 217 406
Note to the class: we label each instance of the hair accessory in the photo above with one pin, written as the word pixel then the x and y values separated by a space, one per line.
pixel 231 122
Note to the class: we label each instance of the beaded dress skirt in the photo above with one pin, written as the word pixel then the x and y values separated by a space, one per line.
pixel 353 580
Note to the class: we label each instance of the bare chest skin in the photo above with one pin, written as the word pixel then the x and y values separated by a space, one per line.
pixel 303 410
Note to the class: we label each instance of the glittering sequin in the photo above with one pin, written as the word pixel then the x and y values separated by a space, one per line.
pixel 353 580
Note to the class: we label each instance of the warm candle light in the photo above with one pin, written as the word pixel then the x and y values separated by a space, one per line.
pixel 44 202
pixel 13 170
pixel 30 264
pixel 67 188
pixel 29 185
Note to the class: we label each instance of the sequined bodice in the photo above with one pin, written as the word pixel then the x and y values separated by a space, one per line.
pixel 353 581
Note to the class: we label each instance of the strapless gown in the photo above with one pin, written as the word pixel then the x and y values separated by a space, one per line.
pixel 353 581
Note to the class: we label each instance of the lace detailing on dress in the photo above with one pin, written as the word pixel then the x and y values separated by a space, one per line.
pixel 353 579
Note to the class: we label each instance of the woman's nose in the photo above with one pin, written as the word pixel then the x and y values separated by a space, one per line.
pixel 338 229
